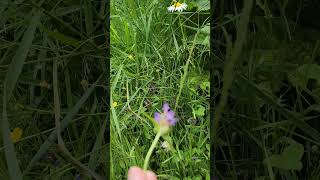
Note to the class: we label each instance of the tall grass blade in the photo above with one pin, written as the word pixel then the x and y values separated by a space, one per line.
pixel 14 71
pixel 65 122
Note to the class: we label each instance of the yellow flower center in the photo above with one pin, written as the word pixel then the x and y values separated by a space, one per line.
pixel 177 4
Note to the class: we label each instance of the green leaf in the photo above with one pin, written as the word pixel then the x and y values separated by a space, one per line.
pixel 305 72
pixel 289 159
pixel 199 111
pixel 205 85
pixel 204 36
pixel 203 40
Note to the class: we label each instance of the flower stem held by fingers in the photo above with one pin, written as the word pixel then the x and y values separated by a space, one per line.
pixel 164 121
pixel 153 145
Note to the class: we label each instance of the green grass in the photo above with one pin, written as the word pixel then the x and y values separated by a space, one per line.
pixel 71 34
pixel 266 91
pixel 159 57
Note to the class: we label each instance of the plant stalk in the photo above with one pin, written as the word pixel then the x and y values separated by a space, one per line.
pixel 153 145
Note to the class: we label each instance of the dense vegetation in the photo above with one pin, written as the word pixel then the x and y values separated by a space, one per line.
pixel 269 78
pixel 264 68
pixel 156 57
pixel 53 64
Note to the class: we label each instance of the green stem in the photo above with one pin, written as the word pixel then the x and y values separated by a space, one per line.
pixel 185 70
pixel 228 74
pixel 153 145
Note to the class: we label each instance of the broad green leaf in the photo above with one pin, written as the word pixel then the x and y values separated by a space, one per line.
pixel 200 111
pixel 305 72
pixel 289 159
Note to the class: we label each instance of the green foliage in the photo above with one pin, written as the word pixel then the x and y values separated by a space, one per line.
pixel 274 93
pixel 199 111
pixel 289 159
pixel 201 5
pixel 305 72
pixel 204 36
pixel 34 34
pixel 167 56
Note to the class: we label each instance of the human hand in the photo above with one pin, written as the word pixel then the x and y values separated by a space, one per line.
pixel 136 173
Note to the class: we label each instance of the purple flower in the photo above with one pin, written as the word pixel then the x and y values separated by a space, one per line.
pixel 78 176
pixel 166 117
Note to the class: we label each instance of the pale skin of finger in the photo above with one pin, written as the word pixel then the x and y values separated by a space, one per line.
pixel 136 173
pixel 151 175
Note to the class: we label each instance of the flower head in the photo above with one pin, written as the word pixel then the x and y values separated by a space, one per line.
pixel 115 104
pixel 130 57
pixel 16 134
pixel 166 119
pixel 176 6
pixel 166 146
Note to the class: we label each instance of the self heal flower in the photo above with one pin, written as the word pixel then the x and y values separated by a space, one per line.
pixel 166 119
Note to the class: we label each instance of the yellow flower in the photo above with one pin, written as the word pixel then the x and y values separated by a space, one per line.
pixel 114 104
pixel 130 57
pixel 16 134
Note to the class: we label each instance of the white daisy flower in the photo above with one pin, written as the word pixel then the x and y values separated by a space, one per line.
pixel 176 6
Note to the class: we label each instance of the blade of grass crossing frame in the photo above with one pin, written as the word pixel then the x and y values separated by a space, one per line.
pixel 88 16
pixel 295 118
pixel 114 115
pixel 66 120
pixel 18 60
pixel 93 161
pixel 14 71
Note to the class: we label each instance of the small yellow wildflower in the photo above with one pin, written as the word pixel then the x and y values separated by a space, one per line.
pixel 114 104
pixel 16 134
pixel 130 57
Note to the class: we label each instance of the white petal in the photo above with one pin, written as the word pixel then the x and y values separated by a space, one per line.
pixel 184 6
pixel 170 8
